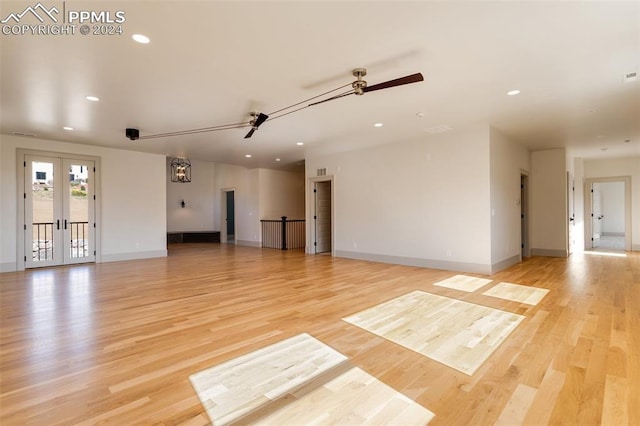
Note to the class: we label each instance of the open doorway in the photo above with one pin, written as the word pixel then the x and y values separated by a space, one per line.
pixel 607 213
pixel 322 223
pixel 229 215
pixel 524 215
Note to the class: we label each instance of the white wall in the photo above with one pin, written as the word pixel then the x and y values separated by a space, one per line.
pixel 508 161
pixel 617 167
pixel 612 194
pixel 133 205
pixel 424 203
pixel 548 208
pixel 281 194
pixel 198 195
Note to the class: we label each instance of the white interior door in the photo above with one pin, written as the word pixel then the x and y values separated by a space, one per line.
pixel 571 212
pixel 322 216
pixel 596 215
pixel 59 211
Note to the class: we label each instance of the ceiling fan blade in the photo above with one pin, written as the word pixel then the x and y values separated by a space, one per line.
pixel 332 98
pixel 261 119
pixel 413 78
pixel 253 129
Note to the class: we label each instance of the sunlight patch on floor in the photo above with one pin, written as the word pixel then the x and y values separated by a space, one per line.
pixel 458 334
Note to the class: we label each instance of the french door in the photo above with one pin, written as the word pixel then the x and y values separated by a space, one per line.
pixel 59 211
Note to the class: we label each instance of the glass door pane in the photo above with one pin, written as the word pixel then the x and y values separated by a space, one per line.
pixel 43 212
pixel 78 211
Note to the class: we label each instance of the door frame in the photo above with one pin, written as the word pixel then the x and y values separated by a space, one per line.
pixel 588 182
pixel 223 215
pixel 311 208
pixel 20 182
pixel 525 250
pixel 571 213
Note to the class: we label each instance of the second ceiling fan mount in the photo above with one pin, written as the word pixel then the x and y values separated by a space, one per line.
pixel 360 86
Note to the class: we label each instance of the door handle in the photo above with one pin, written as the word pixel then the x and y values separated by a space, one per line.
pixel 65 224
pixel 58 224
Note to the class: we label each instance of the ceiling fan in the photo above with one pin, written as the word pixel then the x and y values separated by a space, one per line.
pixel 257 119
pixel 358 87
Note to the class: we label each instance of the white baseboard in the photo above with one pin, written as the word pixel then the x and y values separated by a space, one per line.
pixel 117 257
pixel 635 247
pixel 504 264
pixel 249 243
pixel 475 268
pixel 8 267
pixel 549 252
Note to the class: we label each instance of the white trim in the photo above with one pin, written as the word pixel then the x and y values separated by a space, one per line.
pixel 8 267
pixel 504 264
pixel 119 257
pixel 613 234
pixel 475 268
pixel 525 204
pixel 549 252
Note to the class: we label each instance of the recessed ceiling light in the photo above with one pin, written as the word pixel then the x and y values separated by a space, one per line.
pixel 300 143
pixel 248 155
pixel 513 92
pixel 378 125
pixel 627 140
pixel 420 114
pixel 92 98
pixel 141 38
pixel 603 149
pixel 68 128
pixel 277 159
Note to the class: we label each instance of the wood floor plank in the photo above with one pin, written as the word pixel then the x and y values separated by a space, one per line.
pixel 115 343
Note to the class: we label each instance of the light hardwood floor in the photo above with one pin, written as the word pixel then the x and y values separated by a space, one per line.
pixel 116 342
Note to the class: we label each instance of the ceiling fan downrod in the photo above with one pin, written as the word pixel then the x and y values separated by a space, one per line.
pixel 359 84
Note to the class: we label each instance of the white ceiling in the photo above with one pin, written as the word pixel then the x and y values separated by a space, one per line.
pixel 210 63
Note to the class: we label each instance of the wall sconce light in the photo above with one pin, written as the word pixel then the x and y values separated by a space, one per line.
pixel 183 204
pixel 180 170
